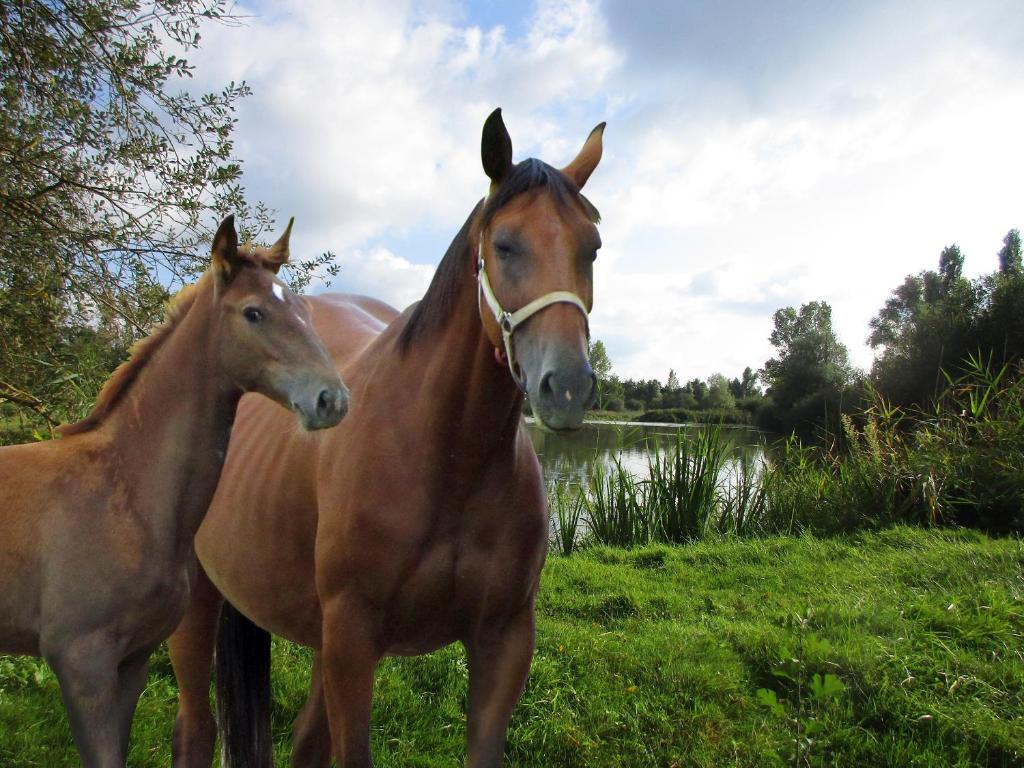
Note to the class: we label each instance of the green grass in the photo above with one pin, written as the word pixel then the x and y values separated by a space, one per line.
pixel 655 656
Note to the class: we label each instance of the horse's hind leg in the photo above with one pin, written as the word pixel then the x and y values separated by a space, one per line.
pixel 311 736
pixel 89 685
pixel 191 646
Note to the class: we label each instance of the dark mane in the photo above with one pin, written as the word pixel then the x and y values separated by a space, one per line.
pixel 438 302
pixel 141 353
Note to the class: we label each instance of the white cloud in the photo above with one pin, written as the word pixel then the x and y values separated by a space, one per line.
pixel 383 275
pixel 723 199
pixel 743 214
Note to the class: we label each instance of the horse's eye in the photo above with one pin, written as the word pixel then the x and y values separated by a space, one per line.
pixel 503 250
pixel 253 315
pixel 593 255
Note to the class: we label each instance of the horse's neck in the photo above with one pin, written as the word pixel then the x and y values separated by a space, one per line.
pixel 473 406
pixel 170 432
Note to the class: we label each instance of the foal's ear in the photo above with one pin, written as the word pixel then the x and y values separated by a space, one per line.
pixel 226 260
pixel 496 148
pixel 277 254
pixel 586 161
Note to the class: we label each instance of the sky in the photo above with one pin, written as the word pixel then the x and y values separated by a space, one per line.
pixel 757 155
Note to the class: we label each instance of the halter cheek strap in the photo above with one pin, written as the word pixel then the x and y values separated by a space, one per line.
pixel 509 321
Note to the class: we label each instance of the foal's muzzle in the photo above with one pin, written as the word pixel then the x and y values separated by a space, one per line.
pixel 319 405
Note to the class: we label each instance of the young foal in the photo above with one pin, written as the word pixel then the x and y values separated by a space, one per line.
pixel 421 520
pixel 96 529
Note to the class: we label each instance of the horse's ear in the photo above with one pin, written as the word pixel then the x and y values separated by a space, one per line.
pixel 226 260
pixel 496 148
pixel 277 255
pixel 586 161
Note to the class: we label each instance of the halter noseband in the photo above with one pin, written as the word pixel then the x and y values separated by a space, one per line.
pixel 509 321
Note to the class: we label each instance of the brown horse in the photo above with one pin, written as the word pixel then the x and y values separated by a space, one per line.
pixel 422 519
pixel 96 529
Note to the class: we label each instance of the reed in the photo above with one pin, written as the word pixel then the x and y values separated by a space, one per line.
pixel 683 485
pixel 743 509
pixel 617 511
pixel 567 504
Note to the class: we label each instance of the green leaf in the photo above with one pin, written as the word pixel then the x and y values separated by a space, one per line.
pixel 770 701
pixel 827 687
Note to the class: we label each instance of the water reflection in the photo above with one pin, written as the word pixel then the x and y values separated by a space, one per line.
pixel 572 456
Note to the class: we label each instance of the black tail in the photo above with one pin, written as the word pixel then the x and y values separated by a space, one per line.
pixel 243 691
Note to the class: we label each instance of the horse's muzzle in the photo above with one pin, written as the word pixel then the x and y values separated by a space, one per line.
pixel 563 393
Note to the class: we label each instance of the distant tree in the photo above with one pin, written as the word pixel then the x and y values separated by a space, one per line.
pixel 698 390
pixel 927 325
pixel 719 395
pixel 810 371
pixel 609 387
pixel 1010 253
pixel 748 383
pixel 951 264
pixel 672 392
pixel 1001 318
pixel 599 361
pixel 645 391
pixel 612 394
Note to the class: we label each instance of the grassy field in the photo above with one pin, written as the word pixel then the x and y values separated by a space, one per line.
pixel 904 647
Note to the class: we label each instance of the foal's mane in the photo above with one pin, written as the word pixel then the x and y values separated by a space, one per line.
pixel 142 352
pixel 438 302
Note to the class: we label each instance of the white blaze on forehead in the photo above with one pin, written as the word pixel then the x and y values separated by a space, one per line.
pixel 277 290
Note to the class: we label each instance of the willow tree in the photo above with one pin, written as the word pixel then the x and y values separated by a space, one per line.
pixel 112 175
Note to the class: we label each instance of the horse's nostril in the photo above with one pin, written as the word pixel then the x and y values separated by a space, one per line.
pixel 546 389
pixel 325 403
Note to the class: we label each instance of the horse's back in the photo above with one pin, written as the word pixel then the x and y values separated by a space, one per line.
pixel 347 323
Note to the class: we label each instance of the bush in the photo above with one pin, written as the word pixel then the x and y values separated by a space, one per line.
pixel 690 416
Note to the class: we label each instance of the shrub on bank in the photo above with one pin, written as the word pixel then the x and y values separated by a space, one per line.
pixel 730 416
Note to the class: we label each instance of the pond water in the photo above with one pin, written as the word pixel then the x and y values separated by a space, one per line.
pixel 571 457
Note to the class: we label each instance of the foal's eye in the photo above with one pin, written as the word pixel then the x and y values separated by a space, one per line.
pixel 253 315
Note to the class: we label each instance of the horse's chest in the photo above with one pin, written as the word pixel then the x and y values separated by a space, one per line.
pixel 454 586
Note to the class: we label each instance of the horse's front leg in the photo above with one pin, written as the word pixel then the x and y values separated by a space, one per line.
pixel 348 659
pixel 87 670
pixel 311 738
pixel 499 663
pixel 131 682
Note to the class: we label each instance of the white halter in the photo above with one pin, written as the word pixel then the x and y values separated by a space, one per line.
pixel 509 321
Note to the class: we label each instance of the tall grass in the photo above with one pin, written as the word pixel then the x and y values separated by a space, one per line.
pixel 683 485
pixel 743 509
pixel 617 512
pixel 567 505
